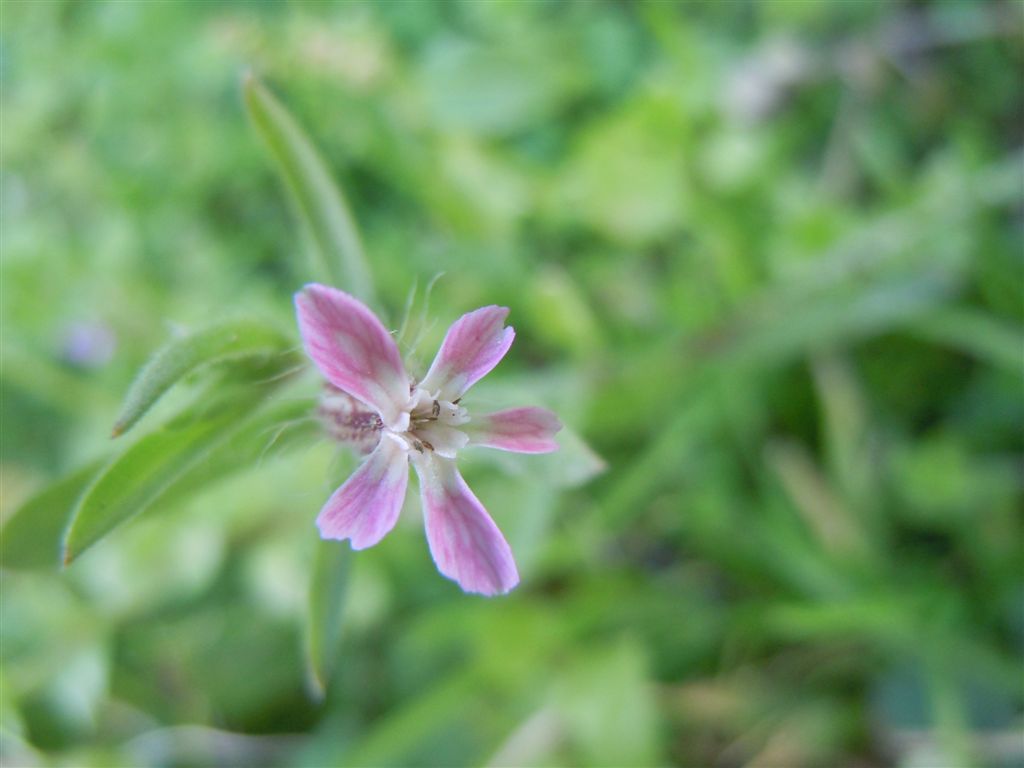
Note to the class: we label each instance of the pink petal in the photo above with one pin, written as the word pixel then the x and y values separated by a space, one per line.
pixel 523 430
pixel 465 543
pixel 353 350
pixel 366 507
pixel 474 344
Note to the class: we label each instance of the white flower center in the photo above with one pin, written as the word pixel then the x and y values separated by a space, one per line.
pixel 433 425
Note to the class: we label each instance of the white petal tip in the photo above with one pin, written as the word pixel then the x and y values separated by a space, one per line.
pixel 491 591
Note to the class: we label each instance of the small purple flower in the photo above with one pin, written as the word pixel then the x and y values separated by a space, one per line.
pixel 89 344
pixel 422 422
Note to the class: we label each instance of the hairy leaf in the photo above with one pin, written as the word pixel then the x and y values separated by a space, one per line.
pixel 183 356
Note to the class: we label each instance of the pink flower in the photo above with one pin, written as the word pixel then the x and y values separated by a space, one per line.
pixel 423 422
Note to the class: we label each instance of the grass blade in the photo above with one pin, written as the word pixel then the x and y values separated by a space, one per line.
pixel 983 336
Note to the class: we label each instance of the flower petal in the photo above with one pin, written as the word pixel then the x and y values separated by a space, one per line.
pixel 523 430
pixel 465 543
pixel 353 350
pixel 474 344
pixel 366 507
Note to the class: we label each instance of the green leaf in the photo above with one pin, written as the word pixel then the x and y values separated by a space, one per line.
pixel 836 530
pixel 137 477
pixel 776 334
pixel 981 335
pixel 276 428
pixel 328 585
pixel 183 356
pixel 33 536
pixel 151 466
pixel 577 461
pixel 846 435
pixel 319 202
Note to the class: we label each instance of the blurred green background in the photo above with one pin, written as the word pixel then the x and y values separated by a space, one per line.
pixel 764 257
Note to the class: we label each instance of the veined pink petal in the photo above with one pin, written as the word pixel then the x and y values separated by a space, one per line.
pixel 474 344
pixel 366 507
pixel 523 430
pixel 465 543
pixel 353 350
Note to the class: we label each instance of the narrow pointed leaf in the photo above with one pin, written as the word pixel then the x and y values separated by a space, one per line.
pixel 152 465
pixel 830 318
pixel 277 428
pixel 328 586
pixel 319 202
pixel 32 537
pixel 984 336
pixel 137 477
pixel 183 356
